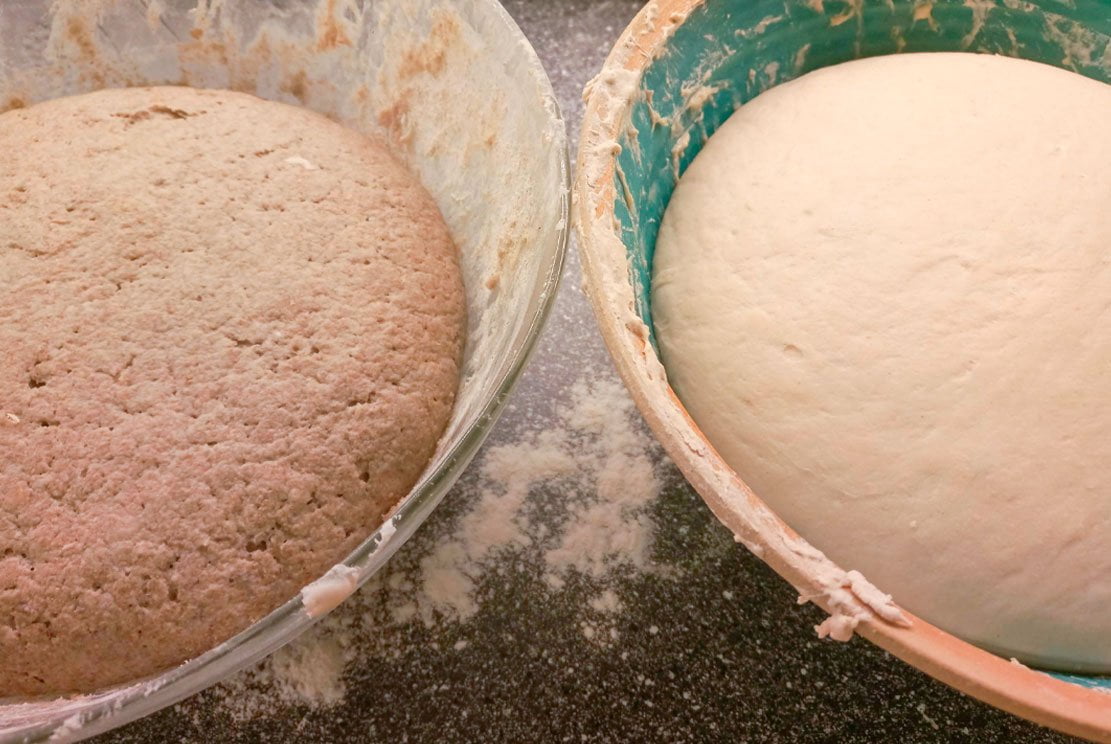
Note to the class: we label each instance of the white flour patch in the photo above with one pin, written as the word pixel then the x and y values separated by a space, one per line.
pixel 311 671
pixel 607 602
pixel 569 504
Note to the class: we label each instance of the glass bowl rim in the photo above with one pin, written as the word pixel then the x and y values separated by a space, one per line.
pixel 121 705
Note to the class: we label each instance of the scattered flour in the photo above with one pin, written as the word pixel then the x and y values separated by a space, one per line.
pixel 607 602
pixel 570 503
pixel 311 671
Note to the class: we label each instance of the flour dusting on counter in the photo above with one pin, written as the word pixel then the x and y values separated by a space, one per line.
pixel 571 502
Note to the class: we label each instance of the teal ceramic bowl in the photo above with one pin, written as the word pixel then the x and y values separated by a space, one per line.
pixel 680 69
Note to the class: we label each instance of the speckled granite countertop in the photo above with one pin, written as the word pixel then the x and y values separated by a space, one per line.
pixel 723 654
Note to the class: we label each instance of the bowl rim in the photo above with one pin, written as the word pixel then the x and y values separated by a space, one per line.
pixel 123 704
pixel 1010 686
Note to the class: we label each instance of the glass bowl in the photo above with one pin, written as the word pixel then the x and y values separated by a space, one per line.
pixel 679 70
pixel 458 90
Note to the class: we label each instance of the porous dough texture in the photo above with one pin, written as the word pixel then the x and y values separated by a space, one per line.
pixel 883 292
pixel 231 332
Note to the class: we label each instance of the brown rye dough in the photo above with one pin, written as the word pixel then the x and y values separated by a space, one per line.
pixel 230 337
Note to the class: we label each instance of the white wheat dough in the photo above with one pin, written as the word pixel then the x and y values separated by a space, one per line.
pixel 884 293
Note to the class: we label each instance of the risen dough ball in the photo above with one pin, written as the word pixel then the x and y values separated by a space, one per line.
pixel 230 333
pixel 883 291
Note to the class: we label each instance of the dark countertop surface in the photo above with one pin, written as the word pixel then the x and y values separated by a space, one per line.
pixel 721 654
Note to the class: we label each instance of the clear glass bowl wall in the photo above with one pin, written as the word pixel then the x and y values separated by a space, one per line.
pixel 459 91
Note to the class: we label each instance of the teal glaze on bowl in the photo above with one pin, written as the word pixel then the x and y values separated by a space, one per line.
pixel 728 51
